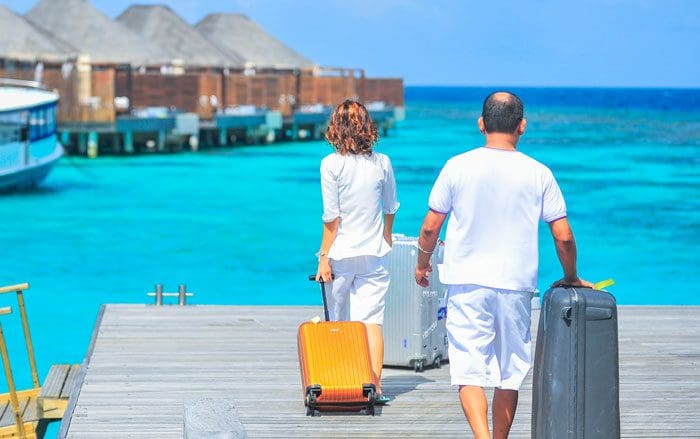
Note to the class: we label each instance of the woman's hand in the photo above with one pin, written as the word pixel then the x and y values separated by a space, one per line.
pixel 388 238
pixel 324 270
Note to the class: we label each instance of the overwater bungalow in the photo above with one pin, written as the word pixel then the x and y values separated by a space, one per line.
pixel 149 81
pixel 24 43
pixel 161 25
pixel 259 49
pixel 94 34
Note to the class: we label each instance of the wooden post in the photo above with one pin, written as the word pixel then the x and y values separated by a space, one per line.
pixel 128 142
pixel 28 339
pixel 161 141
pixel 10 382
pixel 82 143
pixel 92 144
pixel 116 148
pixel 65 138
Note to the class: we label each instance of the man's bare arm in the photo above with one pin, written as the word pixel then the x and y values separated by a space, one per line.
pixel 566 252
pixel 427 240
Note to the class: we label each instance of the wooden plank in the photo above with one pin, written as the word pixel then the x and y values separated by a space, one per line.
pixel 28 410
pixel 4 408
pixel 54 381
pixel 70 381
pixel 144 362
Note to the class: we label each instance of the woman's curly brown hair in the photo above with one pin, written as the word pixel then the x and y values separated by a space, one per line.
pixel 351 129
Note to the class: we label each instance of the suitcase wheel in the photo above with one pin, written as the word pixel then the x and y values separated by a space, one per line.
pixel 309 403
pixel 437 363
pixel 418 365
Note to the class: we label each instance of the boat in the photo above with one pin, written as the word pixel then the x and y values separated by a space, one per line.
pixel 28 144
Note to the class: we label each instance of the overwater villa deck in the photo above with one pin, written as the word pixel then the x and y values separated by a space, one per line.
pixel 146 363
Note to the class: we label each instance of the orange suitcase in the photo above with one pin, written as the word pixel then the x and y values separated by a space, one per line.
pixel 336 373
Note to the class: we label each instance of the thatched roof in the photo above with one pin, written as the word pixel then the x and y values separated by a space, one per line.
pixel 93 33
pixel 160 24
pixel 238 33
pixel 20 40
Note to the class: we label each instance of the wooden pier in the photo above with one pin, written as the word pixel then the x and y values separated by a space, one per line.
pixel 145 362
pixel 26 413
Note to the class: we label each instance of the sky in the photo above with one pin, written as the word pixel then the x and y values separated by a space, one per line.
pixel 588 43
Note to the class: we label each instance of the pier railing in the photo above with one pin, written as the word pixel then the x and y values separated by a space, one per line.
pixel 19 289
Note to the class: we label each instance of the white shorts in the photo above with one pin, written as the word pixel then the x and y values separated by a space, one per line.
pixel 363 281
pixel 489 336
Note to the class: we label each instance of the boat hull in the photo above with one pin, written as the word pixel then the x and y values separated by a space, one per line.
pixel 28 177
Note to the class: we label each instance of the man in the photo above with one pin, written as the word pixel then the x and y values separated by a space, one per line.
pixel 495 197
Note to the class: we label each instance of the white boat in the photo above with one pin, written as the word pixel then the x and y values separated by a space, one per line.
pixel 28 144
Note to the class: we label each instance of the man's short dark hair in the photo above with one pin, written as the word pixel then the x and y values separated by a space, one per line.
pixel 502 112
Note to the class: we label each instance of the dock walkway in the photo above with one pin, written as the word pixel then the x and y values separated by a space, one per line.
pixel 144 362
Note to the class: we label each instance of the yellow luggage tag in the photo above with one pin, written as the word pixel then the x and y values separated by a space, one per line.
pixel 603 284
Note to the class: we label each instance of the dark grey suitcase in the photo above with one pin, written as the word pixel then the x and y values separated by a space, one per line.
pixel 575 392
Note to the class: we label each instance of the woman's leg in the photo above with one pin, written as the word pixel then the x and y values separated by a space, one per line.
pixel 376 352
pixel 338 290
pixel 367 305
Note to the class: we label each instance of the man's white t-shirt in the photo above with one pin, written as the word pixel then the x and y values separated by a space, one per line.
pixel 358 189
pixel 495 199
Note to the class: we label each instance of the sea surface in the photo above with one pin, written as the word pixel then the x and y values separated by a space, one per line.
pixel 241 225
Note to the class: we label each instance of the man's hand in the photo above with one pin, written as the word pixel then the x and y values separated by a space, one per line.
pixel 575 282
pixel 422 275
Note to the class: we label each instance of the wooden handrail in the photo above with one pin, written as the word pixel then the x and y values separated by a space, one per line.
pixel 5 310
pixel 19 288
pixel 14 401
pixel 14 288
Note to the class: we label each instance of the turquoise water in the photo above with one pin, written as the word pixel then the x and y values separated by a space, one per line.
pixel 241 225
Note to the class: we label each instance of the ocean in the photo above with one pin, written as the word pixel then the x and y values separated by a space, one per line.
pixel 241 225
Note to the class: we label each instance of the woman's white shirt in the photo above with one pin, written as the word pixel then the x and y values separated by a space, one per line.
pixel 359 190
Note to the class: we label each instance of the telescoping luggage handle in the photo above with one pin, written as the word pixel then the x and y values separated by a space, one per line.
pixel 592 313
pixel 312 277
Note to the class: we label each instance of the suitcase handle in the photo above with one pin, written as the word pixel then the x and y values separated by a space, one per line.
pixel 312 277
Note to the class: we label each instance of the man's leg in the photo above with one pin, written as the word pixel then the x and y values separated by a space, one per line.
pixel 473 364
pixel 514 352
pixel 503 411
pixel 475 408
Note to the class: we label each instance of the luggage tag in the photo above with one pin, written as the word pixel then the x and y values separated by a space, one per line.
pixel 603 284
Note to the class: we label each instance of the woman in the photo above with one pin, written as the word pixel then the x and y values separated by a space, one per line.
pixel 359 203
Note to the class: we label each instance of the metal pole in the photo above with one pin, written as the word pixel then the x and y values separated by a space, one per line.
pixel 182 295
pixel 28 339
pixel 27 141
pixel 10 382
pixel 159 294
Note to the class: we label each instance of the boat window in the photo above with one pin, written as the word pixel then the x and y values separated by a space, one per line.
pixel 11 126
pixel 9 133
pixel 42 122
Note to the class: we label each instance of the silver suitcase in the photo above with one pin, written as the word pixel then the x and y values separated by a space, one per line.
pixel 414 318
